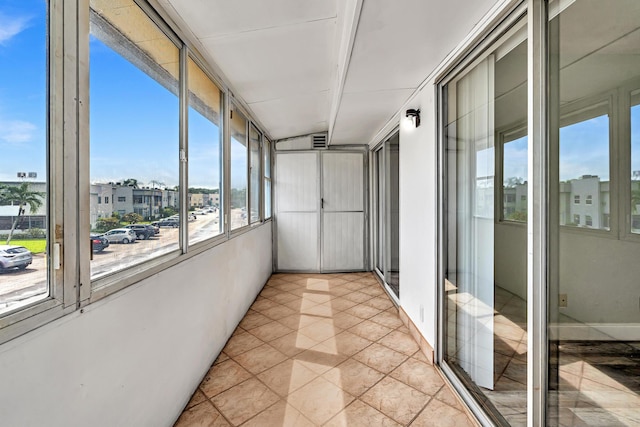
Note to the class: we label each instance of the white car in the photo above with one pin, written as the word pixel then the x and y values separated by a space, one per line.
pixel 120 235
pixel 12 256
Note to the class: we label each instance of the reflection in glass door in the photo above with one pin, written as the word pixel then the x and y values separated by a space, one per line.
pixel 387 161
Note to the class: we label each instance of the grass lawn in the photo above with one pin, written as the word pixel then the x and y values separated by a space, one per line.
pixel 36 246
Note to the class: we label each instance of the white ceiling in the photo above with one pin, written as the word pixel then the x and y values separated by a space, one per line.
pixel 338 66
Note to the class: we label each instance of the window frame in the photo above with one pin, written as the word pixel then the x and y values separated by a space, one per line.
pixel 267 146
pixel 259 210
pixel 503 137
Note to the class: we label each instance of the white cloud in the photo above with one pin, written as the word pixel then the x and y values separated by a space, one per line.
pixel 11 26
pixel 16 131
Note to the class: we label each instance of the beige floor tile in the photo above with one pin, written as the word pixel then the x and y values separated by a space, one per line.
pixel 296 321
pixel 241 343
pixel 320 331
pixel 390 320
pixel 317 297
pixel 319 400
pixel 293 344
pixel 358 297
pixel 284 298
pixel 445 395
pixel 197 398
pixel 396 400
pixel 353 377
pixel 287 377
pixel 348 343
pixel 222 377
pixel 380 357
pixel 359 414
pixel 373 290
pixel 279 415
pixel 253 320
pixel 221 358
pixel 270 331
pixel 262 304
pixel 439 414
pixel 401 342
pixel 320 310
pixel 419 375
pixel 278 312
pixel 202 415
pixel 244 401
pixel 260 358
pixel 345 320
pixel 341 304
pixel 362 311
pixel 320 359
pixel 339 291
pixel 381 303
pixel 370 330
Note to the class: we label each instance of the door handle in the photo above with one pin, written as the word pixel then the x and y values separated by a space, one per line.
pixel 322 203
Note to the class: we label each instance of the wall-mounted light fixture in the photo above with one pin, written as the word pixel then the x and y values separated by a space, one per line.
pixel 414 116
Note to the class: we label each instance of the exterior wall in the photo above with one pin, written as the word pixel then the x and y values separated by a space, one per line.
pixel 418 218
pixel 135 357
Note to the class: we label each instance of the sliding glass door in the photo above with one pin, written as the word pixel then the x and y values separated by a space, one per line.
pixel 387 189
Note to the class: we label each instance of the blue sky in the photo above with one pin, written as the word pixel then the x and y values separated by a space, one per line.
pixel 133 119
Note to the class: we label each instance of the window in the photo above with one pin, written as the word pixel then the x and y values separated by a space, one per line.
pixel 23 158
pixel 634 116
pixel 266 153
pixel 576 219
pixel 205 153
pixel 589 200
pixel 106 200
pixel 134 121
pixel 99 200
pixel 514 172
pixel 239 169
pixel 584 161
pixel 588 221
pixel 255 174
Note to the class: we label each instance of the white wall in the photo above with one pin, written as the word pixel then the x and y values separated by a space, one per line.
pixel 134 358
pixel 418 214
pixel 511 258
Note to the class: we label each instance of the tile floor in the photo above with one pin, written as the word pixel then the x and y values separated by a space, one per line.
pixel 322 350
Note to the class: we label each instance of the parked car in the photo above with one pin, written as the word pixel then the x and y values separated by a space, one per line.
pixel 98 242
pixel 120 235
pixel 169 223
pixel 143 231
pixel 12 256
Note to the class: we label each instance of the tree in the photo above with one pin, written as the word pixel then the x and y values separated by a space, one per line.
pixel 132 217
pixel 21 195
pixel 130 182
pixel 106 224
pixel 635 199
pixel 168 211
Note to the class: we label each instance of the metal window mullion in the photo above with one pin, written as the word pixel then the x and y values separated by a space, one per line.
pixel 70 158
pixel 538 194
pixel 83 184
pixel 225 210
pixel 183 151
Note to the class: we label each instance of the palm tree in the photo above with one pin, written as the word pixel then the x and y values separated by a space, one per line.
pixel 130 182
pixel 22 195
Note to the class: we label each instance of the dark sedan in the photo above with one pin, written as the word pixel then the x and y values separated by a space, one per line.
pixel 98 243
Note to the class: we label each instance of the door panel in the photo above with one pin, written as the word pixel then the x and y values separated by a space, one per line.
pixel 342 238
pixel 297 211
pixel 343 219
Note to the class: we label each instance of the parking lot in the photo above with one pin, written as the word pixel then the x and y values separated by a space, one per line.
pixel 21 286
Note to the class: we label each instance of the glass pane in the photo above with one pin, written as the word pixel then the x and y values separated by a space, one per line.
pixel 485 341
pixel 254 168
pixel 267 178
pixel 23 158
pixel 134 201
pixel 584 173
pixel 635 162
pixel 514 190
pixel 205 155
pixel 593 302
pixel 239 169
pixel 392 208
pixel 380 211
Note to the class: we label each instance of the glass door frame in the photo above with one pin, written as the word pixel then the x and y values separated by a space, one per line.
pixel 380 203
pixel 538 240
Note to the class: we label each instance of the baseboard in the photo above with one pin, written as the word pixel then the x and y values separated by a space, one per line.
pixel 425 347
pixel 595 332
